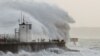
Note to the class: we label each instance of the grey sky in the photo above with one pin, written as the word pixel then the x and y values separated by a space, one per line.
pixel 85 12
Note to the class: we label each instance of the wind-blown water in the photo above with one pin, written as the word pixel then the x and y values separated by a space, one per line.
pixel 46 19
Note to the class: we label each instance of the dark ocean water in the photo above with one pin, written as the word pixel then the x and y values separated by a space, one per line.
pixel 90 43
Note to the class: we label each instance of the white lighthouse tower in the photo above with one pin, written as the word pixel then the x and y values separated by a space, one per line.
pixel 25 32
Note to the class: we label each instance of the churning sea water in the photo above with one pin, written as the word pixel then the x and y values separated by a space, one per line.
pixel 87 47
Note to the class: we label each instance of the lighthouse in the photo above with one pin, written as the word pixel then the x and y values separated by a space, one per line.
pixel 25 31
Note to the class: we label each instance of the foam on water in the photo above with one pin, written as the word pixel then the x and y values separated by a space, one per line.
pixel 47 19
pixel 59 52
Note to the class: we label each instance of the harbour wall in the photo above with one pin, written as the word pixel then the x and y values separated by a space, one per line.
pixel 29 46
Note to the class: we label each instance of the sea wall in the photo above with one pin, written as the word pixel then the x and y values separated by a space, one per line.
pixel 34 46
